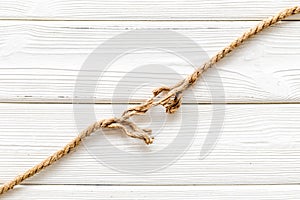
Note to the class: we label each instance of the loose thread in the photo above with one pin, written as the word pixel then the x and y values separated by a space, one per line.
pixel 169 97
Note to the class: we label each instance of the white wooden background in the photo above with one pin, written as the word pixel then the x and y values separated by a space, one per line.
pixel 43 45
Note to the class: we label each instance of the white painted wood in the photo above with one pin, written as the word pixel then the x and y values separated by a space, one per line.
pixel 142 10
pixel 259 144
pixel 273 192
pixel 40 61
pixel 44 43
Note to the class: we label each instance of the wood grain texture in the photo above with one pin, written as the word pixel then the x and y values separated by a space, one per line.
pixel 259 144
pixel 40 62
pixel 43 45
pixel 142 10
pixel 63 192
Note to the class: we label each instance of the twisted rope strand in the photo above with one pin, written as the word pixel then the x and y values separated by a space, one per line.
pixel 169 97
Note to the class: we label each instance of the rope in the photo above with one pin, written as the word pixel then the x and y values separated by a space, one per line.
pixel 169 97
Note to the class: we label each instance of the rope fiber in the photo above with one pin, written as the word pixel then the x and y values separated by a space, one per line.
pixel 169 97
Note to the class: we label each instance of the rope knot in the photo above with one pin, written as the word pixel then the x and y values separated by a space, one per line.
pixel 172 103
pixel 172 100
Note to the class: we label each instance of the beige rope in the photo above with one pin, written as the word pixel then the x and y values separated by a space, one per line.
pixel 169 97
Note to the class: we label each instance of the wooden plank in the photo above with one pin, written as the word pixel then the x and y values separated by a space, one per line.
pixel 258 144
pixel 265 192
pixel 40 62
pixel 142 10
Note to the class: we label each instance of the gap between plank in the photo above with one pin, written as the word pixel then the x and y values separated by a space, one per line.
pixel 136 103
pixel 136 20
pixel 166 185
